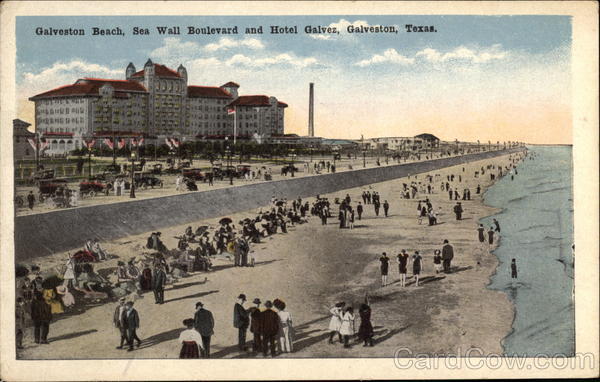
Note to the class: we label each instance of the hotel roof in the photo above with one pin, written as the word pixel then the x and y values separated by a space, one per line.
pixel 207 92
pixel 255 100
pixel 91 86
pixel 160 71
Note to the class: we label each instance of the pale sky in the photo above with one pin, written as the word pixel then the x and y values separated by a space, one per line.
pixel 478 77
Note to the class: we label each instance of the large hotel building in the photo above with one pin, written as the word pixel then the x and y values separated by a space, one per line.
pixel 156 102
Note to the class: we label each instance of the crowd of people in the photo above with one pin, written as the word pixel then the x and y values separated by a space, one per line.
pixel 44 296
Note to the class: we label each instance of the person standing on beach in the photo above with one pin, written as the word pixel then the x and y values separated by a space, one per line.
pixel 491 236
pixel 449 193
pixel 481 233
pixel 347 327
pixel 513 269
pixel 447 256
pixel 497 225
pixel 386 208
pixel 385 261
pixel 336 321
pixel 117 321
pixel 478 191
pixel 458 210
pixel 256 325
pixel 41 315
pixel 241 321
pixel 416 260
pixel 402 263
pixel 159 279
pixel 131 321
pixel 190 340
pixel 437 260
pixel 204 324
pixel 269 328
pixel 365 330
pixel 376 205
pixel 359 210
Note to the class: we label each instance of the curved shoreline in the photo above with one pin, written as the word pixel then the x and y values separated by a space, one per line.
pixel 448 314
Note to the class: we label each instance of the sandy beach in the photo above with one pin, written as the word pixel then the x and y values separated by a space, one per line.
pixel 312 267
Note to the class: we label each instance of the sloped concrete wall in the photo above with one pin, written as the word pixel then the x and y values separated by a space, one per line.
pixel 57 231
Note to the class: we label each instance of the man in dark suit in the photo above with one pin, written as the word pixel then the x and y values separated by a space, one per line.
pixel 241 321
pixel 41 315
pixel 270 328
pixel 359 210
pixel 117 321
pixel 255 325
pixel 204 324
pixel 131 322
pixel 447 256
pixel 159 279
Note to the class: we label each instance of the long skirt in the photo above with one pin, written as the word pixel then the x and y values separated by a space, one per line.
pixel 189 349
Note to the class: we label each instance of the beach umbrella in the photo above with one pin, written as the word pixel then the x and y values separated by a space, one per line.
pixel 21 270
pixel 51 282
pixel 225 221
pixel 200 230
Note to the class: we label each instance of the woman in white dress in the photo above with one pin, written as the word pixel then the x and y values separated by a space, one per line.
pixel 336 321
pixel 69 275
pixel 285 329
pixel 347 327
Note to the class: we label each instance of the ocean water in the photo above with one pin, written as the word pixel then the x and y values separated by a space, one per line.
pixel 537 230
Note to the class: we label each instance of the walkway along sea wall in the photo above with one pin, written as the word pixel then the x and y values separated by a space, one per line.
pixel 57 231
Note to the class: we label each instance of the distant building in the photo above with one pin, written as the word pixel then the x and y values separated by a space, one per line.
pixel 338 144
pixel 155 101
pixel 296 140
pixel 22 149
pixel 417 142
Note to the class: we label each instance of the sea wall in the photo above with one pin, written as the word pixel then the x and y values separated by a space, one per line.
pixel 46 233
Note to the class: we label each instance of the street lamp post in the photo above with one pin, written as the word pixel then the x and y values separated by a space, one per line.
pixel 132 185
pixel 89 148
pixel 293 156
pixel 364 151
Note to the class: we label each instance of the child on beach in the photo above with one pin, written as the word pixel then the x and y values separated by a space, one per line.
pixel 416 258
pixel 437 260
pixel 385 261
pixel 402 262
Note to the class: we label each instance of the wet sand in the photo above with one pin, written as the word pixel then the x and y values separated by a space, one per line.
pixel 311 268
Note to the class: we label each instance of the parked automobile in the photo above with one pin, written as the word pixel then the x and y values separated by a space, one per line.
pixel 111 169
pixel 92 187
pixel 48 187
pixel 194 173
pixel 44 174
pixel 244 168
pixel 145 180
pixel 157 168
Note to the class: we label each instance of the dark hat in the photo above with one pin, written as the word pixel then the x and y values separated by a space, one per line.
pixel 242 296
pixel 256 301
pixel 129 303
pixel 445 241
pixel 188 322
pixel 199 304
pixel 268 304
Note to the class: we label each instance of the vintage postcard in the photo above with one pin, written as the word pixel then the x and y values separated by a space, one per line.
pixel 299 190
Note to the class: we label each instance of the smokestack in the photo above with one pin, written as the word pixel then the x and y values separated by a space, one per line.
pixel 311 110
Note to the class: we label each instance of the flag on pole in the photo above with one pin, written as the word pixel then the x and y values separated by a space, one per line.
pixel 168 142
pixel 108 142
pixel 230 110
pixel 133 142
pixel 121 143
pixel 140 141
pixel 44 144
pixel 175 142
